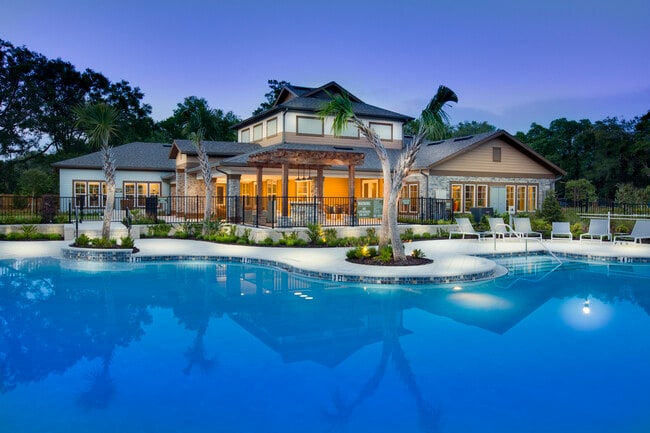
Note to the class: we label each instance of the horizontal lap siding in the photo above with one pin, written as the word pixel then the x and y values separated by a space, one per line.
pixel 331 140
pixel 479 162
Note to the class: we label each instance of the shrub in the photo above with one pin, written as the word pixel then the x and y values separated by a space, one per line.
pixel 314 232
pixel 29 230
pixel 50 208
pixel 82 241
pixel 127 242
pixel 159 230
pixel 267 242
pixel 407 235
pixel 15 236
pixel 331 236
pixel 245 237
pixel 61 218
pixel 551 210
pixel 385 253
pixel 418 253
pixel 577 229
pixel 371 237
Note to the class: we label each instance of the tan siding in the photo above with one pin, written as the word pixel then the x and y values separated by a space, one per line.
pixel 276 139
pixel 478 161
pixel 292 137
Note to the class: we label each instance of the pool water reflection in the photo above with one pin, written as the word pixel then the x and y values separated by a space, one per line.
pixel 205 346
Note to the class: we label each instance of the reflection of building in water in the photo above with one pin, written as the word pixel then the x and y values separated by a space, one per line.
pixel 300 319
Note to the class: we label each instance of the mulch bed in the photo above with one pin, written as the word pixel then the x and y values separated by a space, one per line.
pixel 410 261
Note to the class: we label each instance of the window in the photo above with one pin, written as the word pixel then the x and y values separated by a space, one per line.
pixel 350 131
pixel 137 192
pixel 481 196
pixel 409 196
pixel 384 130
pixel 257 132
pixel 80 188
pixel 309 126
pixel 469 197
pixel 496 154
pixel 370 188
pixel 521 198
pixel 456 197
pixel 246 136
pixel 510 195
pixel 532 198
pixel 221 194
pixel 271 188
pixel 303 188
pixel 272 127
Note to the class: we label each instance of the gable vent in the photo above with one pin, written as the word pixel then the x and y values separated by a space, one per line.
pixel 467 137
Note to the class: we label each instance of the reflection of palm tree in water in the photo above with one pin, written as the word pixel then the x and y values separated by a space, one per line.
pixel 102 386
pixel 429 417
pixel 196 354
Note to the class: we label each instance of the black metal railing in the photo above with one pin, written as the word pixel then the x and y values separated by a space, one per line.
pixel 616 210
pixel 269 211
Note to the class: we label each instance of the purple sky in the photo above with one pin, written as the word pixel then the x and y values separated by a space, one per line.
pixel 511 62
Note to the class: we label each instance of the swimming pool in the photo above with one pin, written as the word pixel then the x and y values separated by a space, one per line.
pixel 209 346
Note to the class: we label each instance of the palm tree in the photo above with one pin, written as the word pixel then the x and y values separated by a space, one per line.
pixel 100 123
pixel 197 120
pixel 431 123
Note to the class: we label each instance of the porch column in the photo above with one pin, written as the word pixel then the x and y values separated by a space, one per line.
pixel 233 193
pixel 259 182
pixel 285 189
pixel 258 199
pixel 351 170
pixel 318 186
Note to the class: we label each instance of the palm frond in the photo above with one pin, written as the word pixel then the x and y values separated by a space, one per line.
pixel 100 122
pixel 340 108
pixel 434 117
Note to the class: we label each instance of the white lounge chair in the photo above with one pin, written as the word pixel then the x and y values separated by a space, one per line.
pixel 598 229
pixel 523 228
pixel 641 230
pixel 499 228
pixel 465 228
pixel 561 230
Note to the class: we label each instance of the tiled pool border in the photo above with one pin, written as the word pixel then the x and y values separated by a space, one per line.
pixel 126 255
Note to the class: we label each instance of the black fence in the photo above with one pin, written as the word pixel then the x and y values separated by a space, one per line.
pixel 250 210
pixel 614 209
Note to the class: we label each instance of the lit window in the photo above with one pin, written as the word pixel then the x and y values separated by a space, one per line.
pixel 521 198
pixel 532 198
pixel 469 197
pixel 481 195
pixel 456 197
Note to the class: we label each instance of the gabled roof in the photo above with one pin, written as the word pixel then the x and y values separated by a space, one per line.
pixel 213 148
pixel 433 153
pixel 294 98
pixel 132 156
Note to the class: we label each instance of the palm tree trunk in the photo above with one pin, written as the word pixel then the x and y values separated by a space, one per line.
pixel 108 210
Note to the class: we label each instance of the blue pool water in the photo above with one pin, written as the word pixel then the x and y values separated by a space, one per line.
pixel 205 347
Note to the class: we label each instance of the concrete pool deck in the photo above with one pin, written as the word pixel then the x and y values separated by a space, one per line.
pixel 453 260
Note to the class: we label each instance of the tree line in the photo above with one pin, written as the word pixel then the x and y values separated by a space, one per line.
pixel 38 97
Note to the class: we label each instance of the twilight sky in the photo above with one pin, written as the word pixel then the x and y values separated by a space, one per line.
pixel 511 62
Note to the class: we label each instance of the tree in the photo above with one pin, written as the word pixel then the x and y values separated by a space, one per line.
pixel 578 190
pixel 472 128
pixel 627 193
pixel 35 181
pixel 431 123
pixel 100 122
pixel 276 87
pixel 217 124
pixel 551 210
pixel 199 118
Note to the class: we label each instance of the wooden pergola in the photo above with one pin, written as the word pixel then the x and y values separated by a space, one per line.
pixel 303 158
